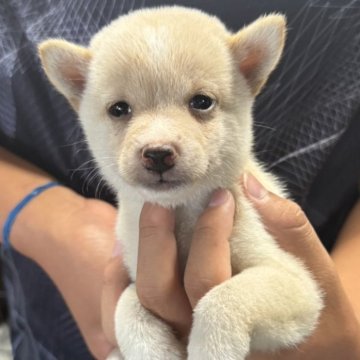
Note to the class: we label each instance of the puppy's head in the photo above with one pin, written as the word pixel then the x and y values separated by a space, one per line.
pixel 165 96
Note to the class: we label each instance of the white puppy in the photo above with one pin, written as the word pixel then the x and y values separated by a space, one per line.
pixel 165 98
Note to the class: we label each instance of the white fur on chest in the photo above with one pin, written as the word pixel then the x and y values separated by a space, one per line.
pixel 127 231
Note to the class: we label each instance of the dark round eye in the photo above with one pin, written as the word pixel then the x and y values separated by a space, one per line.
pixel 119 109
pixel 201 102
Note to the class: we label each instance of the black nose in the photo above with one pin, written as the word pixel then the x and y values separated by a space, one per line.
pixel 158 159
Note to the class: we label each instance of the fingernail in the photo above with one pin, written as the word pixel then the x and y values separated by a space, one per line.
pixel 219 197
pixel 253 187
pixel 117 250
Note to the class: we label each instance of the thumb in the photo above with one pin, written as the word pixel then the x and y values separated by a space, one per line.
pixel 287 222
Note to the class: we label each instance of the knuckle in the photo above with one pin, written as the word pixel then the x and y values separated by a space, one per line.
pixel 153 231
pixel 292 217
pixel 204 231
pixel 149 218
pixel 148 232
pixel 150 296
pixel 149 302
pixel 198 287
pixel 147 297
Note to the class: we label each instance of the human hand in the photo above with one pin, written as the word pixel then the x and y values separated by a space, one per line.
pixel 81 278
pixel 338 333
pixel 74 242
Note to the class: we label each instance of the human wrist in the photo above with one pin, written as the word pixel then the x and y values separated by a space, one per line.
pixel 38 226
pixel 13 214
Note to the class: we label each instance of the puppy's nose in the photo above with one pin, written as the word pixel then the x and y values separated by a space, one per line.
pixel 158 159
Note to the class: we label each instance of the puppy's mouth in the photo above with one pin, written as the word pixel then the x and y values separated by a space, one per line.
pixel 163 184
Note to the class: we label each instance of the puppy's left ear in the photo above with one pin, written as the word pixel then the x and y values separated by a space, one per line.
pixel 66 65
pixel 257 49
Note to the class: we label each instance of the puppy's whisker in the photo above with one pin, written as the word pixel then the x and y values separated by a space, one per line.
pixel 261 125
pixel 74 143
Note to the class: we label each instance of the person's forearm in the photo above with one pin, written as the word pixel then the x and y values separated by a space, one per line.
pixel 70 237
pixel 346 255
pixel 35 222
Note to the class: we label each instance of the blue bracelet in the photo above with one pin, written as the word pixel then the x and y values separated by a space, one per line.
pixel 14 212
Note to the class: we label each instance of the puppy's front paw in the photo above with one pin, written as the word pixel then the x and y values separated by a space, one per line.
pixel 141 335
pixel 217 333
pixel 261 308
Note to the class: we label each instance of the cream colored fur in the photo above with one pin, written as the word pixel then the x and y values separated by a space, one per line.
pixel 157 60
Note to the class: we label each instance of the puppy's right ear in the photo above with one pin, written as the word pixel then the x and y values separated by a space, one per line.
pixel 66 65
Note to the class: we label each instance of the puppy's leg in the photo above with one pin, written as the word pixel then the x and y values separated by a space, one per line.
pixel 263 308
pixel 141 335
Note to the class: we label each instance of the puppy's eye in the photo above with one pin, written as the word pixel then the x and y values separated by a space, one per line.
pixel 119 109
pixel 201 103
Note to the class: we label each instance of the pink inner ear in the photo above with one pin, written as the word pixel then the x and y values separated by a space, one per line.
pixel 75 77
pixel 250 64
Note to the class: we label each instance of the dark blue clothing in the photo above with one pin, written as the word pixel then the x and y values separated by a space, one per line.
pixel 306 125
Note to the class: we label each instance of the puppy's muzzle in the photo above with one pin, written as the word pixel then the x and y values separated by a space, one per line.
pixel 158 159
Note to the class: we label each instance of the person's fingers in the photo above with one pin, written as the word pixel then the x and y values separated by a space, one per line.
pixel 209 262
pixel 286 221
pixel 158 282
pixel 115 281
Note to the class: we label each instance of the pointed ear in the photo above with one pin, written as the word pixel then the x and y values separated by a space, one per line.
pixel 257 49
pixel 66 66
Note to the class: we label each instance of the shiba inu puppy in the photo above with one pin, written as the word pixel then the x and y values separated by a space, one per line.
pixel 165 98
